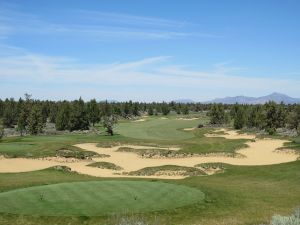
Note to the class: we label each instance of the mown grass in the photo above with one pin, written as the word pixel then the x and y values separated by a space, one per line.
pixel 241 195
pixel 156 131
pixel 98 198
pixel 41 146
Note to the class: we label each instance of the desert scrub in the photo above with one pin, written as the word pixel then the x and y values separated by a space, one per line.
pixel 74 152
pixel 64 169
pixel 294 144
pixel 105 165
pixel 168 169
pixel 211 165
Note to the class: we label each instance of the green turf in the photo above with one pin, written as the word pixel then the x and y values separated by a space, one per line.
pixel 97 198
pixel 158 129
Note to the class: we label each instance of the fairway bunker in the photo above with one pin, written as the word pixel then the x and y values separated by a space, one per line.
pixel 258 152
pixel 98 198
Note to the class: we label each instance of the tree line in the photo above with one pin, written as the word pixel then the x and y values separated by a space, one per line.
pixel 30 116
pixel 268 117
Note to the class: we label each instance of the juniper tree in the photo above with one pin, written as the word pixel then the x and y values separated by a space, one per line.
pixel 240 117
pixel 93 112
pixel 35 121
pixel 63 117
pixel 78 116
pixel 217 114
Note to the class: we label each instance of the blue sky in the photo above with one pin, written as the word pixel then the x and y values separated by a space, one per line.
pixel 149 50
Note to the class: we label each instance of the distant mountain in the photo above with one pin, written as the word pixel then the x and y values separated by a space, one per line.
pixel 276 97
pixel 183 101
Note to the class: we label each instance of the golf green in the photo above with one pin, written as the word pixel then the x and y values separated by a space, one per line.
pixel 97 198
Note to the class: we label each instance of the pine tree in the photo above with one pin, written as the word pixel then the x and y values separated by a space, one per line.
pixel 35 121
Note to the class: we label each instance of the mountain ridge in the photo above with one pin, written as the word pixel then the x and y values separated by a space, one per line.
pixel 276 97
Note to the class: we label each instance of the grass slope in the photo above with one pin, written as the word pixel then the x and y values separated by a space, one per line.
pixel 97 198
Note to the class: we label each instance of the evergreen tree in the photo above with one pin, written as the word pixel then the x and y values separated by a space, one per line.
pixel 271 117
pixel 78 116
pixel 256 117
pixel 185 110
pixel 127 110
pixel 1 108
pixel 53 113
pixel 22 121
pixel 281 115
pixel 63 117
pixel 150 111
pixel 10 113
pixel 240 118
pixel 293 119
pixel 135 110
pixel 35 121
pixel 165 109
pixel 1 129
pixel 217 114
pixel 93 112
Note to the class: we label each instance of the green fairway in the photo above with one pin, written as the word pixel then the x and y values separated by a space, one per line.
pixel 157 128
pixel 97 198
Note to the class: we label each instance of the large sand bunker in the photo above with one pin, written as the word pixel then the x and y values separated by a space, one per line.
pixel 259 152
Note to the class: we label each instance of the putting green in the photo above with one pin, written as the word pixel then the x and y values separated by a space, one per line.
pixel 97 198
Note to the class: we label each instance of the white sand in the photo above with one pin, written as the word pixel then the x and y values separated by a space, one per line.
pixel 230 134
pixel 194 118
pixel 140 120
pixel 189 129
pixel 260 152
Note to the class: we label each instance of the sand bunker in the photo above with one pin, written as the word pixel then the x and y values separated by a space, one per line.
pixel 140 120
pixel 259 152
pixel 189 129
pixel 194 118
pixel 230 134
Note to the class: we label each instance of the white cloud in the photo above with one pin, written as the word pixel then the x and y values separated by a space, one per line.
pixel 138 78
pixel 95 26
